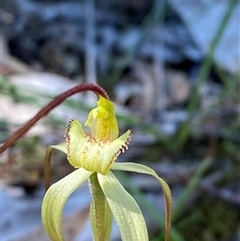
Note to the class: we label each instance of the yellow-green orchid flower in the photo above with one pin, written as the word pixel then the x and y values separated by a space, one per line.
pixel 93 155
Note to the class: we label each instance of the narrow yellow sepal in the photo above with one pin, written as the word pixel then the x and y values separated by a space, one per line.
pixel 55 199
pixel 126 211
pixel 135 167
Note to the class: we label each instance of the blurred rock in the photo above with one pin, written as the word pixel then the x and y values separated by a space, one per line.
pixel 175 42
pixel 138 89
pixel 24 113
pixel 42 87
pixel 9 64
pixel 55 36
pixel 72 225
pixel 21 216
pixel 203 18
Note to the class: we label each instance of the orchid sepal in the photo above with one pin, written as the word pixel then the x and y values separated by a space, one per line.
pixel 125 210
pixel 61 147
pixel 135 167
pixel 55 199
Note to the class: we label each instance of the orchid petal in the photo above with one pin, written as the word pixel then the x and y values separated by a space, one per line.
pixel 55 199
pixel 61 147
pixel 135 167
pixel 92 155
pixel 125 210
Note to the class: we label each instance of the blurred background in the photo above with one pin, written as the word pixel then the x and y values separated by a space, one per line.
pixel 173 69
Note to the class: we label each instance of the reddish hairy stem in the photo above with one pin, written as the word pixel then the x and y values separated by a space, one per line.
pixel 50 106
